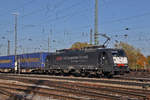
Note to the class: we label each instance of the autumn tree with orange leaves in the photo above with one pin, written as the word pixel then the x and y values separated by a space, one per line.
pixel 142 61
pixel 148 59
pixel 136 59
pixel 79 45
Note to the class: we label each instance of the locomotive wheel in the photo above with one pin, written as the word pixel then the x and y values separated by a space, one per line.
pixel 83 74
pixel 108 75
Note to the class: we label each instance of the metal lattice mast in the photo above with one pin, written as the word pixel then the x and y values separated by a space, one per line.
pixel 96 24
pixel 15 49
pixel 8 49
pixel 91 36
pixel 49 40
pixel 48 44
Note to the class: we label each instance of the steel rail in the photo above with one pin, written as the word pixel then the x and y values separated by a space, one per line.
pixel 94 95
pixel 141 84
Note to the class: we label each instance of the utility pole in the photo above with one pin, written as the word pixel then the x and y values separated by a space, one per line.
pixel 15 49
pixel 48 44
pixel 96 24
pixel 23 51
pixel 16 15
pixel 91 36
pixel 8 49
pixel 49 40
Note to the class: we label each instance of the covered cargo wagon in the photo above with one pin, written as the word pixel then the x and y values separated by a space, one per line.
pixel 31 61
pixel 7 63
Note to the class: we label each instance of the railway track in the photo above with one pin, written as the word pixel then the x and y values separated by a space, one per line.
pixel 7 90
pixel 140 82
pixel 141 79
pixel 80 92
pixel 138 74
pixel 61 92
pixel 76 90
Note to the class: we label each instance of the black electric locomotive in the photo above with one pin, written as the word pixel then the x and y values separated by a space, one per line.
pixel 88 61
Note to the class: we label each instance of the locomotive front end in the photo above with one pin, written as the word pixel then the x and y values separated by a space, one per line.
pixel 120 61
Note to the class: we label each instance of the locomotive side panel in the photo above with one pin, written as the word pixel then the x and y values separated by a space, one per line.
pixel 105 61
pixel 77 59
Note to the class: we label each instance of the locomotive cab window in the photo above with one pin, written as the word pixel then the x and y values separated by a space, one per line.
pixel 118 53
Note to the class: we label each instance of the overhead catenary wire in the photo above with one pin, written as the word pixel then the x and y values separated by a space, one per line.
pixel 42 9
pixel 58 17
pixel 19 7
pixel 76 13
pixel 127 18
pixel 62 15
pixel 67 8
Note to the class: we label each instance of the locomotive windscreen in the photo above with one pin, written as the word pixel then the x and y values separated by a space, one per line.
pixel 118 53
pixel 119 57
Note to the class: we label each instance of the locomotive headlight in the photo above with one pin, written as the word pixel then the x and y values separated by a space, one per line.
pixel 119 65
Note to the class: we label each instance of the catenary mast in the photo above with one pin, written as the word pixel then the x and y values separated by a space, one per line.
pixel 96 42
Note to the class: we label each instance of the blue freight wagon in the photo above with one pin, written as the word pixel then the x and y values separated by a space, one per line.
pixel 7 63
pixel 32 61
